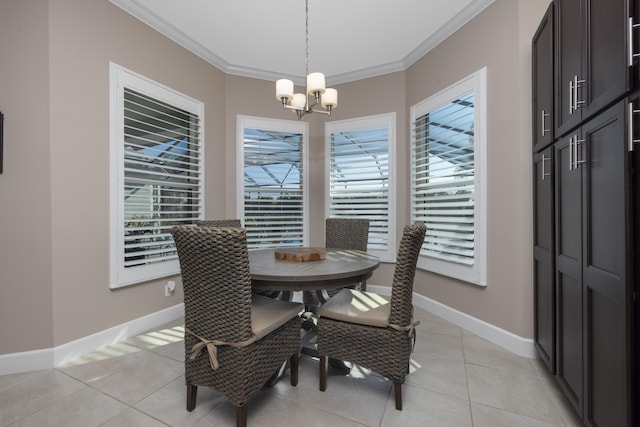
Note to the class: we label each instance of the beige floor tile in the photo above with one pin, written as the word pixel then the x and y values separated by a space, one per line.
pixel 37 392
pixel 13 379
pixel 359 396
pixel 424 408
pixel 85 408
pixel 141 379
pixel 485 416
pixel 158 338
pixel 270 410
pixel 479 351
pixel 140 382
pixel 439 375
pixel 104 363
pixel 512 391
pixel 432 323
pixel 131 418
pixel 438 346
pixel 560 401
pixel 169 404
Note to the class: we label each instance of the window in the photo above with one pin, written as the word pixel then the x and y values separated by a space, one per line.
pixel 274 157
pixel 448 185
pixel 157 176
pixel 359 155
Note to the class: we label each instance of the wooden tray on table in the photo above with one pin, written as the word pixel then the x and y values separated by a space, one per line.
pixel 299 254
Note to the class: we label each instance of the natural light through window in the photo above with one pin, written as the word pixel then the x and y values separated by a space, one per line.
pixel 448 186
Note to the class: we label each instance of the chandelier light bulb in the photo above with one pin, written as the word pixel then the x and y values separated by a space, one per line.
pixel 284 89
pixel 315 83
pixel 329 98
pixel 299 101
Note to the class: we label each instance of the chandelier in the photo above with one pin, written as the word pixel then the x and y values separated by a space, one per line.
pixel 321 95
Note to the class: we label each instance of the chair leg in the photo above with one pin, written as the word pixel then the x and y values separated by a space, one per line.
pixel 192 393
pixel 293 369
pixel 241 416
pixel 397 387
pixel 323 373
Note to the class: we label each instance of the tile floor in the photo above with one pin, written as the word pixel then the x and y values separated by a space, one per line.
pixel 457 379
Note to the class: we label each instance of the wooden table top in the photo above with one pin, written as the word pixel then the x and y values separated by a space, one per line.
pixel 340 267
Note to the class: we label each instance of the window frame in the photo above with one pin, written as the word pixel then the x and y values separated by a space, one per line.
pixel 476 83
pixel 261 123
pixel 119 79
pixel 387 120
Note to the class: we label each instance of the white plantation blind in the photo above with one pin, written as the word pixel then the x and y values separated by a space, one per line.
pixel 160 182
pixel 445 185
pixel 444 180
pixel 360 178
pixel 274 185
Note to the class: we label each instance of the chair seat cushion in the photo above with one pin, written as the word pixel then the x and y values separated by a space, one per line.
pixel 268 314
pixel 364 308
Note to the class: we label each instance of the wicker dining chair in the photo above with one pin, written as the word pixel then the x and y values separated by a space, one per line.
pixel 371 330
pixel 340 233
pixel 219 223
pixel 234 340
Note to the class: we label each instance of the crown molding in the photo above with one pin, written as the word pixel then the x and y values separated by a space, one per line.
pixel 170 31
pixel 453 25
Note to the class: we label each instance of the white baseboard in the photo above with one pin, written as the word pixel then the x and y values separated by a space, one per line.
pixel 516 344
pixel 35 360
pixel 48 358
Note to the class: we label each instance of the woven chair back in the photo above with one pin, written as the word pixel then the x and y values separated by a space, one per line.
pixel 347 233
pixel 220 223
pixel 214 263
pixel 405 269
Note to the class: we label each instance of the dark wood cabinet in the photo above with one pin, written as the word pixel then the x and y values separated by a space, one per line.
pixel 543 257
pixel 587 207
pixel 542 90
pixel 591 58
pixel 634 256
pixel 568 200
pixel 593 279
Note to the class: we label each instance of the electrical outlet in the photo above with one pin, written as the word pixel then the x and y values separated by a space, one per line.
pixel 169 288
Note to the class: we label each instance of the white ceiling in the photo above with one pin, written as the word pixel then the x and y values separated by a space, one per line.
pixel 348 39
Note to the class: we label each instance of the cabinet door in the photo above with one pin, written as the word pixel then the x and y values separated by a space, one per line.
pixel 542 62
pixel 568 61
pixel 543 254
pixel 592 58
pixel 635 261
pixel 568 203
pixel 606 201
pixel 606 55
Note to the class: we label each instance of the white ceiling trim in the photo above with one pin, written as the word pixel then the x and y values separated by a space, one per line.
pixel 169 30
pixel 454 24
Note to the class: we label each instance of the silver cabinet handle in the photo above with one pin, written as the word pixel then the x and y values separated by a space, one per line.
pixel 571 153
pixel 544 174
pixel 543 118
pixel 631 140
pixel 576 85
pixel 577 144
pixel 570 96
pixel 632 54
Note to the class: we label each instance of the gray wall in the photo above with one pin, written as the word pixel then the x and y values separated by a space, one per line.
pixel 54 221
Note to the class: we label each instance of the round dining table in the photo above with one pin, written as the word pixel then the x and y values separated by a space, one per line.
pixel 339 268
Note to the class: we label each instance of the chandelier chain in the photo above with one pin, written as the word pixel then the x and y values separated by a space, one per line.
pixel 306 54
